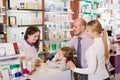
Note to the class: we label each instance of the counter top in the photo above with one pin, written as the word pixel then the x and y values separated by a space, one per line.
pixel 45 73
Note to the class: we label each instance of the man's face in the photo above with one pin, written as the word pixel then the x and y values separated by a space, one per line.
pixel 77 29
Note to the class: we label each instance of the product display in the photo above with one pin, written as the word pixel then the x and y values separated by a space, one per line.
pixel 54 18
pixel 58 18
pixel 89 9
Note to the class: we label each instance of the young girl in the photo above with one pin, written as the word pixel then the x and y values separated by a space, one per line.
pixel 96 54
pixel 65 54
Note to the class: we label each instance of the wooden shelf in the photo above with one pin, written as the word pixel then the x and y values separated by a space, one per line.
pixel 30 25
pixel 59 30
pixel 30 9
pixel 59 12
pixel 25 9
pixel 58 21
pixel 22 11
pixel 1 32
pixel 2 14
pixel 117 41
pixel 9 57
pixel 57 40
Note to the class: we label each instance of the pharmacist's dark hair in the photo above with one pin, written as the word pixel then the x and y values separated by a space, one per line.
pixel 68 52
pixel 30 31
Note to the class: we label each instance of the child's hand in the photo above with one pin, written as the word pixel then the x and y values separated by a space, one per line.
pixel 47 61
pixel 37 62
pixel 70 65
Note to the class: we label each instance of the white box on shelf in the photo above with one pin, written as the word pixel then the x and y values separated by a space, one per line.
pixel 7 49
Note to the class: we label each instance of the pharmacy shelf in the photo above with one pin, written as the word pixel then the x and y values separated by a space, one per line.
pixel 61 0
pixel 9 57
pixel 1 32
pixel 22 11
pixel 101 8
pixel 89 1
pixel 57 40
pixel 59 12
pixel 106 18
pixel 2 14
pixel 58 30
pixel 58 21
pixel 30 9
pixel 30 25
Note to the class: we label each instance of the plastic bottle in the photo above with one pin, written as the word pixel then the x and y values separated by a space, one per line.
pixel 14 73
pixel 19 70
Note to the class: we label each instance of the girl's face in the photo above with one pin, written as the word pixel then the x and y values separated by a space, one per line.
pixel 90 32
pixel 34 37
pixel 61 57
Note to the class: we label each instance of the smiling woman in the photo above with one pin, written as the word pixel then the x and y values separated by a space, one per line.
pixel 30 46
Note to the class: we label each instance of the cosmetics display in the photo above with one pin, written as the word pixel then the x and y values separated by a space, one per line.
pixel 58 18
pixel 10 72
pixel 52 47
pixel 26 5
pixel 88 9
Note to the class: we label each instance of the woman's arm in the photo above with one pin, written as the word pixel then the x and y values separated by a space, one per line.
pixel 92 65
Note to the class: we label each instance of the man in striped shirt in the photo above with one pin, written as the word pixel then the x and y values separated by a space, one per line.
pixel 79 29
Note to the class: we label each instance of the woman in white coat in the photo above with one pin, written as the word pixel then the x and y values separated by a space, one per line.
pixel 30 46
pixel 96 55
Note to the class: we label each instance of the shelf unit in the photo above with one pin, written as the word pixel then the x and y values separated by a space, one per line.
pixel 6 63
pixel 9 57
pixel 109 11
pixel 27 13
pixel 88 9
pixel 58 18
pixel 106 11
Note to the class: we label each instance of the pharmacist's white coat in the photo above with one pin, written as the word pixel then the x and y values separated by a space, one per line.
pixel 28 50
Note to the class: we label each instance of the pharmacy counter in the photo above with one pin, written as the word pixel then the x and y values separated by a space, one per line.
pixel 45 73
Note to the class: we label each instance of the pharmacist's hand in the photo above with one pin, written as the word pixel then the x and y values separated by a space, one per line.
pixel 48 61
pixel 37 62
pixel 70 65
pixel 23 57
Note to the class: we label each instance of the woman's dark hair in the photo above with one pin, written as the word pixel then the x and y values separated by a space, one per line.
pixel 68 52
pixel 31 30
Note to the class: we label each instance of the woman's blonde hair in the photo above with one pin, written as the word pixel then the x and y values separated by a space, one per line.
pixel 96 26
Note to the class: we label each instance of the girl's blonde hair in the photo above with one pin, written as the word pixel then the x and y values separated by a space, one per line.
pixel 96 26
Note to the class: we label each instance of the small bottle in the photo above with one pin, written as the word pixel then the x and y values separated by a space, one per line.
pixel 24 67
pixel 14 73
pixel 22 35
pixel 16 48
pixel 19 70
pixel 14 37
